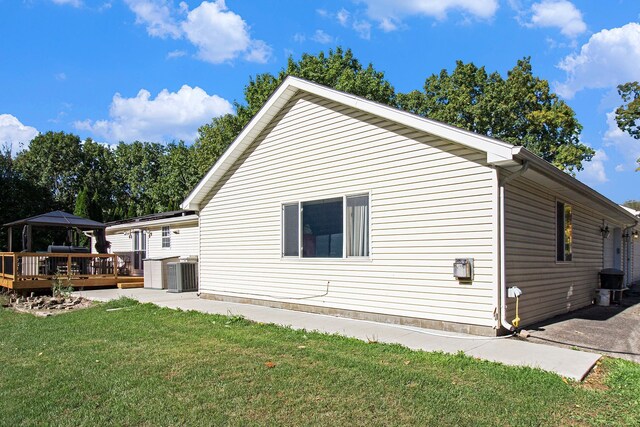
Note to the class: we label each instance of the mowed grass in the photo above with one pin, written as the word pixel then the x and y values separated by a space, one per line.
pixel 144 365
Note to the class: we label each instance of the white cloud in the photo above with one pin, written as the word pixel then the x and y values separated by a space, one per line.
pixel 157 16
pixel 14 133
pixel 343 16
pixel 176 54
pixel 624 143
pixel 609 58
pixel 168 116
pixel 363 28
pixel 221 35
pixel 560 14
pixel 389 13
pixel 60 76
pixel 299 38
pixel 594 171
pixel 72 3
pixel 322 37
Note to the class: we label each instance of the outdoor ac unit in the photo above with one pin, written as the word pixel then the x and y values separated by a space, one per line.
pixel 182 276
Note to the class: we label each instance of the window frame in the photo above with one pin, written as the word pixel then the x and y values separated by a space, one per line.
pixel 343 197
pixel 167 237
pixel 561 255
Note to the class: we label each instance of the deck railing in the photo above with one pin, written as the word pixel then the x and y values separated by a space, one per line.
pixel 46 266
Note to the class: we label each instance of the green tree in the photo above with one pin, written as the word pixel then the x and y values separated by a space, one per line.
pixel 338 69
pixel 54 160
pixel 21 198
pixel 137 175
pixel 179 175
pixel 628 114
pixel 520 109
pixel 633 204
pixel 82 204
pixel 98 174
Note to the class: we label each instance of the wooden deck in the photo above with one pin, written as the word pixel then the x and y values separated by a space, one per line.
pixel 21 270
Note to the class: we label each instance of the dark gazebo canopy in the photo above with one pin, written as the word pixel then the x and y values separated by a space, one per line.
pixel 59 219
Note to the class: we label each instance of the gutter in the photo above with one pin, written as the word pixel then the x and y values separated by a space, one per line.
pixel 502 282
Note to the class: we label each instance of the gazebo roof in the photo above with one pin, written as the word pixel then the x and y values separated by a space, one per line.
pixel 59 219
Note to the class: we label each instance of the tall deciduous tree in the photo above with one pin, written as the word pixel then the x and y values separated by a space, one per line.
pixel 628 114
pixel 179 176
pixel 54 160
pixel 520 109
pixel 21 198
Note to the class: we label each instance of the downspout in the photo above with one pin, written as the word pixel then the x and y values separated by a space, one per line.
pixel 503 285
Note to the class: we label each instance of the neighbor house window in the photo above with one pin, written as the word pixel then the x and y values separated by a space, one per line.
pixel 564 232
pixel 166 237
pixel 316 229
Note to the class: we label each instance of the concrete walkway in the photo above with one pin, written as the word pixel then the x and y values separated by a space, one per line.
pixel 510 351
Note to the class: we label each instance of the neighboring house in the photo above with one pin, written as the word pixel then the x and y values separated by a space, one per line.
pixel 331 203
pixel 631 241
pixel 162 235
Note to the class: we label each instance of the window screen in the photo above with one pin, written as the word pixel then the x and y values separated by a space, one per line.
pixel 291 230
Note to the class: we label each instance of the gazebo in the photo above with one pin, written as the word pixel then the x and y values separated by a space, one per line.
pixel 32 270
pixel 55 219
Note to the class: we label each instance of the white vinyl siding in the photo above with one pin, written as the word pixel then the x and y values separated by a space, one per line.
pixel 549 287
pixel 184 240
pixel 431 201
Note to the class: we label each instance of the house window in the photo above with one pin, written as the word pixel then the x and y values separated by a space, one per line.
pixel 166 237
pixel 291 230
pixel 316 229
pixel 358 226
pixel 564 232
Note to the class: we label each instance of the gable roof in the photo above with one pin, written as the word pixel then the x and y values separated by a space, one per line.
pixel 496 150
pixel 499 153
pixel 59 219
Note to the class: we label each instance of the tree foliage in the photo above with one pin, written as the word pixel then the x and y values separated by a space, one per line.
pixel 633 204
pixel 628 114
pixel 520 109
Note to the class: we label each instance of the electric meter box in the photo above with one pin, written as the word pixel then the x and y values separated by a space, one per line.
pixel 463 269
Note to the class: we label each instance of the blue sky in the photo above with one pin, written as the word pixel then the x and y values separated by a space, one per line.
pixel 157 69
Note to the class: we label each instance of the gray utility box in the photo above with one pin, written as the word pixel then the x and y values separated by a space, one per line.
pixel 182 276
pixel 463 269
pixel 155 272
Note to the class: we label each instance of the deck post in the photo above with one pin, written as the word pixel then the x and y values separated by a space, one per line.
pixel 115 265
pixel 69 265
pixel 15 266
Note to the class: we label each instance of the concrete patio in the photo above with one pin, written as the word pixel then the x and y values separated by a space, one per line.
pixel 510 351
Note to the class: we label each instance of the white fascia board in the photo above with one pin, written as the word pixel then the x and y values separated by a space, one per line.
pixel 277 100
pixel 179 220
pixel 497 151
pixel 569 181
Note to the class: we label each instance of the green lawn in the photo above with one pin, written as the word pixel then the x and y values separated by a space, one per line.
pixel 143 365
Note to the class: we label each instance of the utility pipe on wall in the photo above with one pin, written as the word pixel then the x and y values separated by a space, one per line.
pixel 503 285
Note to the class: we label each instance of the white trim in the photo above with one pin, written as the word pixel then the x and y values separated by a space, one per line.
pixel 181 220
pixel 498 150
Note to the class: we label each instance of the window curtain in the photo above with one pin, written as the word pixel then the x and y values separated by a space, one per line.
pixel 358 226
